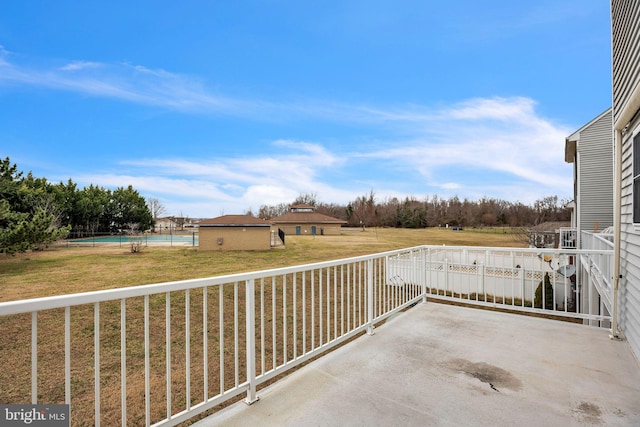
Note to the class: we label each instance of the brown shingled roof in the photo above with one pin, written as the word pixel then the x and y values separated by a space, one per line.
pixel 307 217
pixel 550 226
pixel 234 221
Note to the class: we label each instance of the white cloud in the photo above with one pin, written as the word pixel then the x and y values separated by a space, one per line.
pixel 80 65
pixel 496 147
pixel 503 135
pixel 501 109
pixel 459 148
pixel 232 185
pixel 126 82
pixel 257 195
pixel 3 54
pixel 449 186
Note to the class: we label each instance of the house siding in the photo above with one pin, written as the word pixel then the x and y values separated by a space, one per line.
pixel 305 218
pixel 629 294
pixel 625 26
pixel 234 238
pixel 594 193
pixel 306 229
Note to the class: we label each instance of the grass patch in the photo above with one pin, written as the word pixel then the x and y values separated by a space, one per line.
pixel 63 270
pixel 72 270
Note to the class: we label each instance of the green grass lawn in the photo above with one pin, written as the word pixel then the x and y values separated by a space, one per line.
pixel 64 270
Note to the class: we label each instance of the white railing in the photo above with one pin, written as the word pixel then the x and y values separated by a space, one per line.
pixel 161 354
pixel 599 265
pixel 568 238
pixel 596 241
pixel 579 281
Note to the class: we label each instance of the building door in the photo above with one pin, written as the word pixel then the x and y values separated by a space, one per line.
pixel 297 230
pixel 313 230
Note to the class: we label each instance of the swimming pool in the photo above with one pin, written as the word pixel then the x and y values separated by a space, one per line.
pixel 146 239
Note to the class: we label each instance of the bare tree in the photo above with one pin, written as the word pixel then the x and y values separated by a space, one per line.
pixel 431 211
pixel 181 220
pixel 267 212
pixel 157 209
pixel 310 199
pixel 388 212
pixel 332 210
pixel 362 211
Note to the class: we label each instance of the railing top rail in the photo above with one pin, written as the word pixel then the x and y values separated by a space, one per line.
pixel 60 301
pixel 566 251
pixel 605 239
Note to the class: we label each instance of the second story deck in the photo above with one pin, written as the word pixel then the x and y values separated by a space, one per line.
pixel 165 353
pixel 442 365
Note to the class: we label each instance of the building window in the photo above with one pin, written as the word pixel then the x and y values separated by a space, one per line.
pixel 636 179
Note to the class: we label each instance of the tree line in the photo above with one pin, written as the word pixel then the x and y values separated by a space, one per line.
pixel 434 211
pixel 35 212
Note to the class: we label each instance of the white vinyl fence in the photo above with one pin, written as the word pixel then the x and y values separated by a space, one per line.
pixel 579 281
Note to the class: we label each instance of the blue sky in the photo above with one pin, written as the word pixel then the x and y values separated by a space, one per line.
pixel 220 107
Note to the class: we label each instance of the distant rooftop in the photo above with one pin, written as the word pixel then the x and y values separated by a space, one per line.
pixel 306 214
pixel 302 208
pixel 235 220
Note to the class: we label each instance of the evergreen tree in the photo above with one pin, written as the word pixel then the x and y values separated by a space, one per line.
pixel 27 211
pixel 548 294
pixel 130 211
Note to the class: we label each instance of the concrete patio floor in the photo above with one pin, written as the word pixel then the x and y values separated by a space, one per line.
pixel 440 365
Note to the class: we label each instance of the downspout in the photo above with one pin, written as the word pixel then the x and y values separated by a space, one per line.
pixel 617 229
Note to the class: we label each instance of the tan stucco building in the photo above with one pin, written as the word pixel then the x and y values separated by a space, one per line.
pixel 303 220
pixel 234 233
